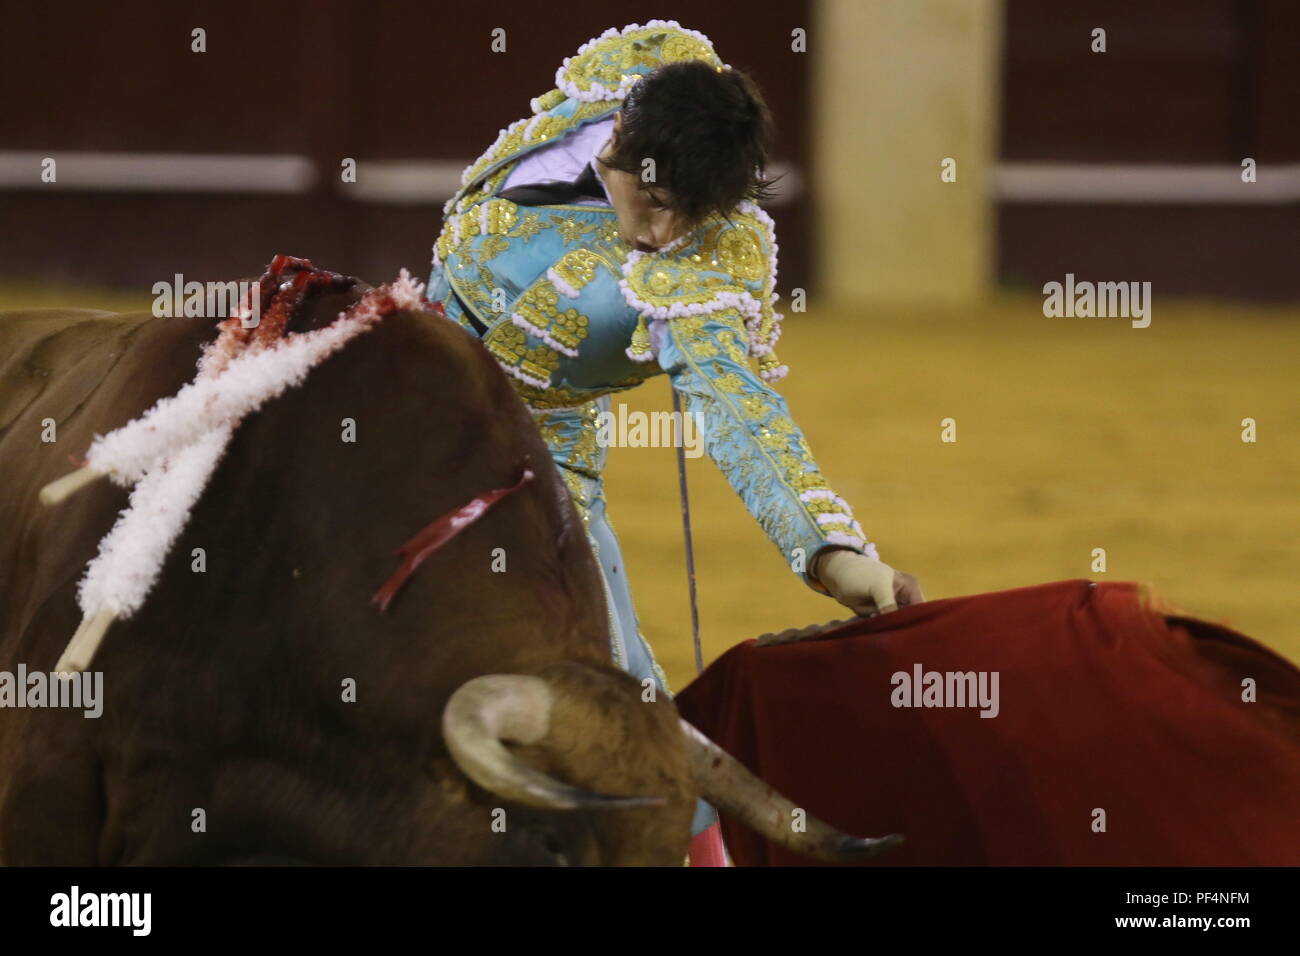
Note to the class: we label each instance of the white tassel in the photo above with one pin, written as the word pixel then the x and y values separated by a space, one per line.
pixel 171 451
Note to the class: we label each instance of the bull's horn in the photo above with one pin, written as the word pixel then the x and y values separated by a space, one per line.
pixel 487 710
pixel 727 784
pixel 69 484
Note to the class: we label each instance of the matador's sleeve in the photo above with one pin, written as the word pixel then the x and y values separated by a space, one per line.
pixel 749 434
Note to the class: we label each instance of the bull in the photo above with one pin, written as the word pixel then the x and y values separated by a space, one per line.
pixel 258 708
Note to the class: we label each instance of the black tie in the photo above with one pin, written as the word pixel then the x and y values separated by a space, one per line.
pixel 554 192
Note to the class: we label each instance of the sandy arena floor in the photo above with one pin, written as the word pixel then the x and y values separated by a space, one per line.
pixel 1073 434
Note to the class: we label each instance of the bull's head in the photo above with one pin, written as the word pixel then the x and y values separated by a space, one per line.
pixel 487 713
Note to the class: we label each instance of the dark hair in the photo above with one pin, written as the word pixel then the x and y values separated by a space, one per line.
pixel 708 132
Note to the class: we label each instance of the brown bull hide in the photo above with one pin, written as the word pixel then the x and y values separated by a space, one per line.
pixel 225 691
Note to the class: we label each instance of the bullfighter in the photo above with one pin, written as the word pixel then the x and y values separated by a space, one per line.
pixel 614 235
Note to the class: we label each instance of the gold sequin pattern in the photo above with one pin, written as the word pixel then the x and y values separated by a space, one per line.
pixel 719 257
pixel 742 412
pixel 607 61
pixel 577 268
pixel 510 346
pixel 538 306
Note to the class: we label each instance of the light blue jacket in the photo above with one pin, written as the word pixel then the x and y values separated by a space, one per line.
pixel 572 314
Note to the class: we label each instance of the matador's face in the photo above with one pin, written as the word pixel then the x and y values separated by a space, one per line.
pixel 645 220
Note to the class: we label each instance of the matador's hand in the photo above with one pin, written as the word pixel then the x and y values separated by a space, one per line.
pixel 865 585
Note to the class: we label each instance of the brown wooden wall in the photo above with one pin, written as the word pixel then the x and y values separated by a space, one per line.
pixel 402 79
pixel 1182 81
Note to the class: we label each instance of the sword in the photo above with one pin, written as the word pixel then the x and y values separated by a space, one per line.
pixel 686 530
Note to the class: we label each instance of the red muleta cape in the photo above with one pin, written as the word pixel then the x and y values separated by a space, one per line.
pixel 1105 703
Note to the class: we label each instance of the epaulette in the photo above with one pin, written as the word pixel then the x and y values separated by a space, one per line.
pixel 726 263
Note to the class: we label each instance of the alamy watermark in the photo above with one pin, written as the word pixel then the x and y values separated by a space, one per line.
pixel 81 691
pixel 1129 300
pixel 635 429
pixel 207 300
pixel 922 688
pixel 130 910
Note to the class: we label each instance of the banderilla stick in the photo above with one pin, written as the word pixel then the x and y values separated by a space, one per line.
pixel 81 649
pixel 68 485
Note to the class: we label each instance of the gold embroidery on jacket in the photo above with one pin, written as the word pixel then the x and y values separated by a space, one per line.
pixel 510 346
pixel 608 60
pixel 539 307
pixel 572 230
pixel 720 257
pixel 578 267
pixel 774 434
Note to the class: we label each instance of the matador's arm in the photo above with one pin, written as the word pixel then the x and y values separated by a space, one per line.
pixel 749 434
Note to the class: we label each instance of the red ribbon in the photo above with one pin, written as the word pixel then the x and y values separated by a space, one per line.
pixel 438 533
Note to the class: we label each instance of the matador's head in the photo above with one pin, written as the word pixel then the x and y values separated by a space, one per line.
pixel 691 140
